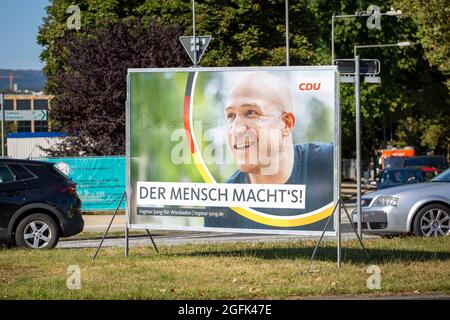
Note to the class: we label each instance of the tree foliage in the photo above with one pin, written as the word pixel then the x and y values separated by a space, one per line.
pixel 411 86
pixel 433 30
pixel 245 32
pixel 91 92
pixel 252 32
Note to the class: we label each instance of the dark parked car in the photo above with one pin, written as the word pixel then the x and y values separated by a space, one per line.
pixel 399 176
pixel 437 162
pixel 394 162
pixel 38 204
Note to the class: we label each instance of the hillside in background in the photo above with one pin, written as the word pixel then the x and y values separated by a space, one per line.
pixel 33 80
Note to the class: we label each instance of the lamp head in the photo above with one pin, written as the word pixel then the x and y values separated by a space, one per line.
pixel 404 44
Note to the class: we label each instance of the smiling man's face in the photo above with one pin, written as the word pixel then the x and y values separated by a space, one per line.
pixel 254 125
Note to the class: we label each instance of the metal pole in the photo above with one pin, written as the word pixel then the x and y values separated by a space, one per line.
pixel 127 240
pixel 287 32
pixel 332 38
pixel 153 242
pixel 193 31
pixel 321 237
pixel 2 97
pixel 109 226
pixel 358 143
pixel 339 234
pixel 127 221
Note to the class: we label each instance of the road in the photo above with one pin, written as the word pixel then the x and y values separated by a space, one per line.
pixel 95 223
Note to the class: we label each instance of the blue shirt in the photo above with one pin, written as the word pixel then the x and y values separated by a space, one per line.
pixel 313 167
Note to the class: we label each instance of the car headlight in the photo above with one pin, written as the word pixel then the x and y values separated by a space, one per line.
pixel 385 201
pixel 365 202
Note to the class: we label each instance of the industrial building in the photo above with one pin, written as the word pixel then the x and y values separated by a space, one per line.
pixel 28 102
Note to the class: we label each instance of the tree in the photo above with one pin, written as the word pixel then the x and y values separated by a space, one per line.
pixel 251 32
pixel 91 92
pixel 411 86
pixel 77 63
pixel 94 14
pixel 245 32
pixel 433 34
pixel 433 30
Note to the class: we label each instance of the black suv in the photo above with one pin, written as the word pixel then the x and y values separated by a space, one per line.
pixel 38 204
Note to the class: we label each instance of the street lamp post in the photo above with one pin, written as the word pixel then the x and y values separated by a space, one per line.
pixel 358 122
pixel 391 13
pixel 287 31
pixel 193 33
pixel 371 11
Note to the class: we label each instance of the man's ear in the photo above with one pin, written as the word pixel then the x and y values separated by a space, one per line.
pixel 289 123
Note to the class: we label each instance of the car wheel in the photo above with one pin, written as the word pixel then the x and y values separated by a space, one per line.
pixel 432 221
pixel 37 231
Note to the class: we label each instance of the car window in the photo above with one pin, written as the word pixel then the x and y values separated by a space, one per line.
pixel 436 162
pixel 401 176
pixel 60 173
pixel 443 177
pixel 441 163
pixel 47 172
pixel 428 175
pixel 412 176
pixel 6 175
pixel 416 162
pixel 21 172
pixel 391 177
pixel 393 162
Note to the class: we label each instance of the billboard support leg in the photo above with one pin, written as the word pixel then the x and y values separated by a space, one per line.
pixel 356 232
pixel 127 242
pixel 321 237
pixel 153 242
pixel 339 243
pixel 109 226
pixel 339 260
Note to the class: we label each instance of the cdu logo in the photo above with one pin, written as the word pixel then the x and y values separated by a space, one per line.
pixel 309 86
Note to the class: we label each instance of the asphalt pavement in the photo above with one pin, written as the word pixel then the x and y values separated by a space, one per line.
pixel 99 223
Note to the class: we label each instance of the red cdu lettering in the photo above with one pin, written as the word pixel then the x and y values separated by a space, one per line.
pixel 307 86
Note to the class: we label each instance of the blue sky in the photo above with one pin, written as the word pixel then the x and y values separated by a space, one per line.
pixel 19 22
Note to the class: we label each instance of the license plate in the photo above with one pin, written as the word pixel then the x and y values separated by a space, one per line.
pixel 355 218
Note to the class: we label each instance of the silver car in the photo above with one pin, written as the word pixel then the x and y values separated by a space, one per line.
pixel 422 209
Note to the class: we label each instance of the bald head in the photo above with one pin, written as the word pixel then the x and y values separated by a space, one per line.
pixel 259 122
pixel 266 87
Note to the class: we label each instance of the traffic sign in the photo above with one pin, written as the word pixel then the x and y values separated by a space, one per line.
pixel 24 115
pixel 200 46
pixel 366 66
pixel 346 78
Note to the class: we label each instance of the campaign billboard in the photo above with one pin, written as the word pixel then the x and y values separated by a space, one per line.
pixel 233 149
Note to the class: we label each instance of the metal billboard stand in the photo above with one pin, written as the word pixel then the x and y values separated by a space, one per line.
pixel 338 204
pixel 126 232
pixel 191 48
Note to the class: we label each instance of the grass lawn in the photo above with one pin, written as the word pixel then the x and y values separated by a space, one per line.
pixel 228 271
